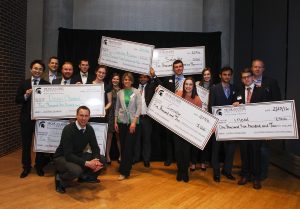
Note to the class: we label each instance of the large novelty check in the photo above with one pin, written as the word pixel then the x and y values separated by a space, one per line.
pixel 193 59
pixel 204 96
pixel 48 134
pixel 126 55
pixel 62 101
pixel 182 117
pixel 257 121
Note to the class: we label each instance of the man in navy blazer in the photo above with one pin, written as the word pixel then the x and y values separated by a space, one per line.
pixel 23 97
pixel 250 149
pixel 219 95
pixel 272 92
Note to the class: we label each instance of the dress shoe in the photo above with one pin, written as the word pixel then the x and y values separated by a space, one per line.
pixel 217 178
pixel 256 184
pixel 243 181
pixel 179 177
pixel 167 163
pixel 203 167
pixel 193 167
pixel 25 172
pixel 228 175
pixel 59 187
pixel 119 160
pixel 185 178
pixel 88 179
pixel 40 172
pixel 108 162
pixel 147 164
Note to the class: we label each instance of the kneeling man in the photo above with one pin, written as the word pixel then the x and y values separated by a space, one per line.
pixel 71 159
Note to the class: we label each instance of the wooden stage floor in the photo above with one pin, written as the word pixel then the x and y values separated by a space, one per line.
pixel 155 187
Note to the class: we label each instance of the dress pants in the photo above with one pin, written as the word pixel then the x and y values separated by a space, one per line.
pixel 182 154
pixel 251 156
pixel 27 130
pixel 143 139
pixel 229 147
pixel 127 146
pixel 169 145
pixel 265 158
pixel 204 154
pixel 69 171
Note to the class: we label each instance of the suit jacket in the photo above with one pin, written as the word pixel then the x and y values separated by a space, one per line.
pixel 134 107
pixel 271 88
pixel 45 75
pixel 258 95
pixel 58 81
pixel 149 90
pixel 169 83
pixel 217 96
pixel 77 78
pixel 26 104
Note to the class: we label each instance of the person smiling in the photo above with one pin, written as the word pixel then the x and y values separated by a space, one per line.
pixel 127 111
pixel 182 147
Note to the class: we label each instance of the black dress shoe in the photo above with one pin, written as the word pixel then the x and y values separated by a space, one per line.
pixel 167 163
pixel 40 172
pixel 185 178
pixel 25 172
pixel 147 164
pixel 243 181
pixel 228 175
pixel 217 178
pixel 179 177
pixel 256 184
pixel 59 187
pixel 88 179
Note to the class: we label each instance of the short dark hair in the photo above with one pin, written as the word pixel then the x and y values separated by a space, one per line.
pixel 101 66
pixel 69 63
pixel 226 68
pixel 53 57
pixel 83 108
pixel 177 62
pixel 246 70
pixel 85 60
pixel 194 91
pixel 37 62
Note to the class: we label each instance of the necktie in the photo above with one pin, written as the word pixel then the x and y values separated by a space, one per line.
pixel 142 89
pixel 83 74
pixel 227 92
pixel 35 81
pixel 249 94
pixel 176 84
pixel 82 131
pixel 65 82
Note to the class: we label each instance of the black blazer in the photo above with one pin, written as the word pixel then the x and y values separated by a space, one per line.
pixel 58 81
pixel 217 96
pixel 149 89
pixel 258 95
pixel 169 83
pixel 271 88
pixel 26 105
pixel 77 78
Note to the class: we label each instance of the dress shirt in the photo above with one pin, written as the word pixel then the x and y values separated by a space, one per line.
pixel 84 77
pixel 63 81
pixel 180 80
pixel 246 91
pixel 52 76
pixel 144 106
pixel 258 81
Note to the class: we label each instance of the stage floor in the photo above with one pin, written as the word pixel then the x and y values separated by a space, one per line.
pixel 154 187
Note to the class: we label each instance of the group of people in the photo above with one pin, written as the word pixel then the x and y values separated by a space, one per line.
pixel 78 155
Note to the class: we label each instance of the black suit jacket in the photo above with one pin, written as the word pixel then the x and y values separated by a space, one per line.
pixel 26 104
pixel 58 81
pixel 149 89
pixel 271 88
pixel 77 78
pixel 169 83
pixel 217 96
pixel 258 95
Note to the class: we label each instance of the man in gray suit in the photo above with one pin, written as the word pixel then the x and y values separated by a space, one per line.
pixel 52 72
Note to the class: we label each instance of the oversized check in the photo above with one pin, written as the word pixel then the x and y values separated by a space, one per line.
pixel 48 134
pixel 126 55
pixel 257 121
pixel 203 93
pixel 182 117
pixel 62 101
pixel 193 59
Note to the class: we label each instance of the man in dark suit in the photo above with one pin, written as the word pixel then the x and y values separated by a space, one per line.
pixel 272 94
pixel 52 72
pixel 143 142
pixel 250 149
pixel 84 76
pixel 67 73
pixel 222 94
pixel 23 97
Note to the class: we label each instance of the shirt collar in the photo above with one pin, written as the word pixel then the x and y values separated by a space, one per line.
pixel 251 86
pixel 33 78
pixel 84 74
pixel 78 126
pixel 52 73
pixel 179 77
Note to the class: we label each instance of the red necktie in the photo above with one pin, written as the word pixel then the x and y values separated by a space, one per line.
pixel 249 94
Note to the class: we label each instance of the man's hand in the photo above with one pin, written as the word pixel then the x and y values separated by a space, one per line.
pixel 94 164
pixel 152 72
pixel 235 104
pixel 28 92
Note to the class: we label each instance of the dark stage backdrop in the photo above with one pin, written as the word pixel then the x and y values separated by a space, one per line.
pixel 74 45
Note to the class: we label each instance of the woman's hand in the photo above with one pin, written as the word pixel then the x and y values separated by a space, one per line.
pixel 116 127
pixel 132 128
